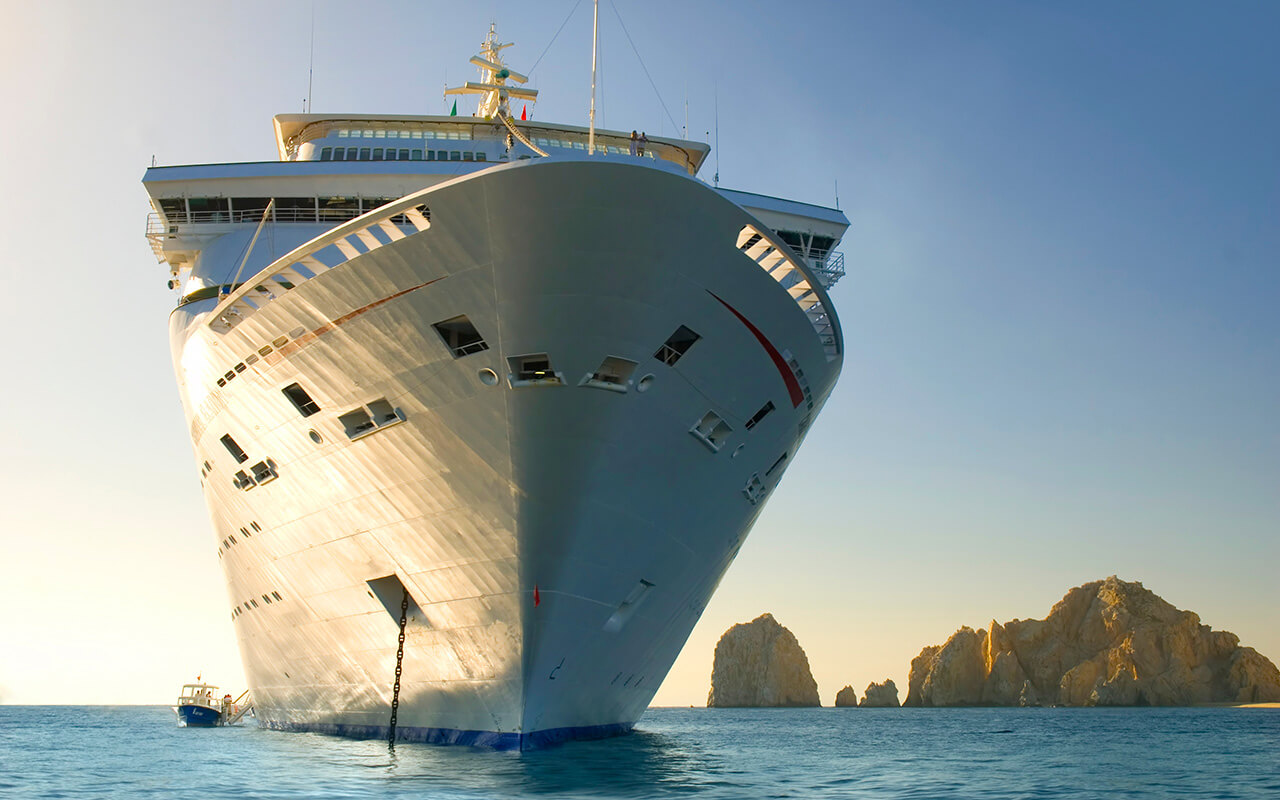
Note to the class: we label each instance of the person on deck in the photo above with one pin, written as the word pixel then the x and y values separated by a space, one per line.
pixel 634 143
pixel 644 142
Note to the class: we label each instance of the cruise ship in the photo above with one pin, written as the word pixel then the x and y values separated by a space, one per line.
pixel 484 407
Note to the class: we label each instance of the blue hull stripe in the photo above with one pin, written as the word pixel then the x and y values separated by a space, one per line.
pixel 492 740
pixel 198 716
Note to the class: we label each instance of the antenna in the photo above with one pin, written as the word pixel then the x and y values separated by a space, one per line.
pixel 311 65
pixel 684 132
pixel 595 29
pixel 717 126
pixel 837 180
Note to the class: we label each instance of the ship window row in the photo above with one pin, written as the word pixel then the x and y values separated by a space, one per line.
pixel 206 210
pixel 251 603
pixel 568 144
pixel 261 353
pixel 262 472
pixel 398 154
pixel 370 418
pixel 231 538
pixel 384 133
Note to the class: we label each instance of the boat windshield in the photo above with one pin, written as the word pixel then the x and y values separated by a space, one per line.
pixel 198 693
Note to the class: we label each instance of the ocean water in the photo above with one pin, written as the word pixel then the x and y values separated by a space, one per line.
pixel 95 752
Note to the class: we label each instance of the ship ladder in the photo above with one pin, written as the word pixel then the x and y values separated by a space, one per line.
pixel 242 710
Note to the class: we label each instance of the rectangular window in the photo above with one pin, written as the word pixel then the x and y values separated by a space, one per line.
pixel 416 155
pixel 613 374
pixel 531 369
pixel 455 155
pixel 481 157
pixel 264 472
pixel 300 209
pixel 374 416
pixel 337 209
pixel 234 449
pixel 711 430
pixel 381 411
pixel 326 154
pixel 356 422
pixel 677 345
pixel 404 154
pixel 174 208
pixel 353 153
pixel 377 154
pixel 460 336
pixel 759 415
pixel 365 153
pixel 300 399
pixel 468 155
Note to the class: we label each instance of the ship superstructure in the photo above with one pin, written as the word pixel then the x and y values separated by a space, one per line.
pixel 483 408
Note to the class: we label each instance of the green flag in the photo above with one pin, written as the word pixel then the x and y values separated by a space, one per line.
pixel 454 112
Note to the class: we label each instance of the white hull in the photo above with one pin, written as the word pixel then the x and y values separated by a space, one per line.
pixel 485 495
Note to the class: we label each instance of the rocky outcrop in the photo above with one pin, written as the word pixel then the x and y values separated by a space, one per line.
pixel 1106 643
pixel 760 664
pixel 881 695
pixel 847 698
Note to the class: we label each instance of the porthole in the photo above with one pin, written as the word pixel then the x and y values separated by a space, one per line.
pixel 315 436
pixel 645 383
pixel 488 377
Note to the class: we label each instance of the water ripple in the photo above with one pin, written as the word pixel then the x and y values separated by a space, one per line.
pixel 717 754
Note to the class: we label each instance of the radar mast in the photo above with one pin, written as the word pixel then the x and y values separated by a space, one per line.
pixel 494 74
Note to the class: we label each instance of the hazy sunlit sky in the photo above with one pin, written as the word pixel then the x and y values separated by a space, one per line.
pixel 1061 312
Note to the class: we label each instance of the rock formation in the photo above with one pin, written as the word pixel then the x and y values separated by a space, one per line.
pixel 847 698
pixel 760 664
pixel 1106 643
pixel 881 695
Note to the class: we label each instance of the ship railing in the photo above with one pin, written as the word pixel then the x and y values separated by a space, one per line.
pixel 348 240
pixel 175 220
pixel 828 269
pixel 157 230
pixel 801 282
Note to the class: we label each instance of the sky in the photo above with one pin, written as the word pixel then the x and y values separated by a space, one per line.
pixel 1060 314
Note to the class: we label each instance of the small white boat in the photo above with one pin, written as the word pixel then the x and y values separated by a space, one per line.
pixel 201 706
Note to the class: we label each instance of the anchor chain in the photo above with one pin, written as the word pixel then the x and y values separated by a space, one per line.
pixel 395 689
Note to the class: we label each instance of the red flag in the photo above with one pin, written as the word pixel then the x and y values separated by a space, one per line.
pixel 537 598
pixel 523 111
